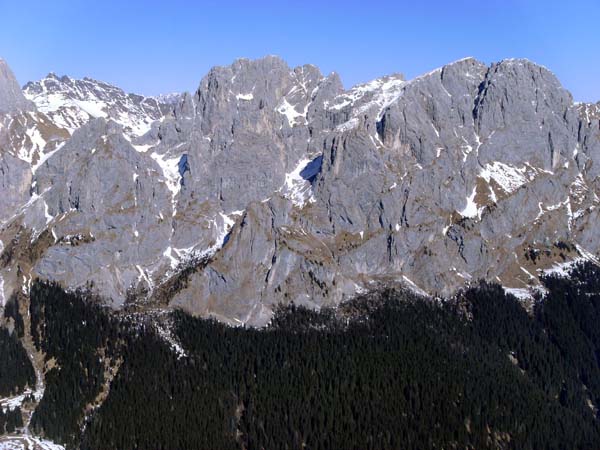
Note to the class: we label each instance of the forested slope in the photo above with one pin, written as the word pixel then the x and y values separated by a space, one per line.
pixel 388 370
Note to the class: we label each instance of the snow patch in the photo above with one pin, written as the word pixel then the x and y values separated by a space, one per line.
pixel 384 90
pixel 170 170
pixel 562 269
pixel 520 293
pixel 298 185
pixel 47 214
pixel 508 177
pixel 228 221
pixel 26 151
pixel 289 112
pixel 36 138
pixel 70 104
pixel 143 148
pixel 378 95
pixel 168 253
pixel 93 108
pixel 26 442
pixel 9 403
pixel 587 255
pixel 470 210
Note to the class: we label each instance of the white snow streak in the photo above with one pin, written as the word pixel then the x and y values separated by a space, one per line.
pixel 170 170
pixel 44 157
pixel 246 97
pixel 168 337
pixel 413 286
pixel 2 297
pixel 470 210
pixel 520 293
pixel 296 188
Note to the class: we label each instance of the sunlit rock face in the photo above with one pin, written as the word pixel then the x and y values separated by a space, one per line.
pixel 272 184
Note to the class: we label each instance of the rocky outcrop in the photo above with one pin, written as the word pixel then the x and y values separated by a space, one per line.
pixel 273 184
pixel 11 97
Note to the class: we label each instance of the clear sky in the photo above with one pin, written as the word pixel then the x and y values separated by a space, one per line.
pixel 153 47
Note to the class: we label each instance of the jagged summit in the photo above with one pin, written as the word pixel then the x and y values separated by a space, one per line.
pixel 51 75
pixel 272 183
pixel 70 103
pixel 169 99
pixel 11 97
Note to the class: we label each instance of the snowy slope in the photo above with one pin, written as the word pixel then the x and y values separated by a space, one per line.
pixel 70 103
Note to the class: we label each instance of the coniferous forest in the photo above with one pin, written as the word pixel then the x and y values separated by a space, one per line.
pixel 16 372
pixel 10 420
pixel 387 370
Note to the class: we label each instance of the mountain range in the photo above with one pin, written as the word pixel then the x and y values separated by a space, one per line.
pixel 402 264
pixel 270 185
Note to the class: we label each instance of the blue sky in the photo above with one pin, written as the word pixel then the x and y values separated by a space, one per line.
pixel 152 47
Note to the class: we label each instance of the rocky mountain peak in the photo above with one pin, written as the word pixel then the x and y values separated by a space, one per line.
pixel 11 97
pixel 70 103
pixel 169 99
pixel 272 184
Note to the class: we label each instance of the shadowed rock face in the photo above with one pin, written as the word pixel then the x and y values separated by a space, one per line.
pixel 271 184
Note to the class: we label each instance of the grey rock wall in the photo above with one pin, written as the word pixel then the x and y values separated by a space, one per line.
pixel 273 184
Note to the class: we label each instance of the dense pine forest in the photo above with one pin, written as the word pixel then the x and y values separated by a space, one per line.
pixel 11 420
pixel 16 371
pixel 388 370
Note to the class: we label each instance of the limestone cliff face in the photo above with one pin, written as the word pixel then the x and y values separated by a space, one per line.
pixel 12 99
pixel 271 184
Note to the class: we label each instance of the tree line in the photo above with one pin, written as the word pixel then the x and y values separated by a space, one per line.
pixel 388 370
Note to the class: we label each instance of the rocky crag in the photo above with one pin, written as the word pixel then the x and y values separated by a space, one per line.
pixel 272 184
